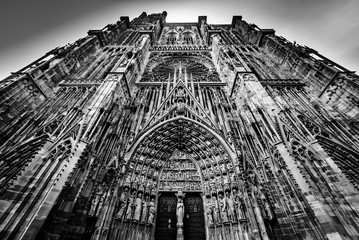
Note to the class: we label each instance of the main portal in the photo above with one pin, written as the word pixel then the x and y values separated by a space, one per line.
pixel 167 226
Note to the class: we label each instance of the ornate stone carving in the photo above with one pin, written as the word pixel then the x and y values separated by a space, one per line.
pixel 180 211
pixel 215 207
pixel 231 210
pixel 223 208
pixel 209 211
pixel 239 204
pixel 130 206
pixel 151 212
pixel 145 209
pixel 138 207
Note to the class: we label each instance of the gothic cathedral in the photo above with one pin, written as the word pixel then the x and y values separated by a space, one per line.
pixel 152 130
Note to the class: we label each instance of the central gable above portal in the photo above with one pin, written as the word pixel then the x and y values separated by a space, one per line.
pixel 180 102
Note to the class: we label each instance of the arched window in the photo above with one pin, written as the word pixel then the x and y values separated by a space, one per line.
pixel 188 38
pixel 172 37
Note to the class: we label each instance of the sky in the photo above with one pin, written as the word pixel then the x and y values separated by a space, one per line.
pixel 29 29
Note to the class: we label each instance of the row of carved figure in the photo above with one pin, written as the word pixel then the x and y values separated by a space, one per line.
pixel 214 176
pixel 168 178
pixel 231 206
pixel 185 185
pixel 180 165
pixel 225 208
pixel 181 174
pixel 220 208
pixel 136 207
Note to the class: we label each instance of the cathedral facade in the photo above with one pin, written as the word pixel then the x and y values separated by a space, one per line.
pixel 153 130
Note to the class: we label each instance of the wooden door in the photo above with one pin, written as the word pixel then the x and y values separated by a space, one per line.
pixel 166 217
pixel 194 217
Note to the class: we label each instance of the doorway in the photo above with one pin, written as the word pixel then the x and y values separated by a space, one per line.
pixel 166 217
pixel 194 217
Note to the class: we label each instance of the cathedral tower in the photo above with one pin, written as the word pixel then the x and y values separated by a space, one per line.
pixel 152 130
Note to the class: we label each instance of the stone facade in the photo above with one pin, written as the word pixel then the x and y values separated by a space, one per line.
pixel 264 131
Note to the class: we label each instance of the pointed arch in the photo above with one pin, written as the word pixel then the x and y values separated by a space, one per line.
pixel 153 128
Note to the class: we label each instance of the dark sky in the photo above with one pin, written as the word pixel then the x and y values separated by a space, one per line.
pixel 29 29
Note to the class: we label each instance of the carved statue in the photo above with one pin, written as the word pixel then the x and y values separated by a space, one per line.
pixel 128 178
pixel 93 206
pixel 122 209
pixel 264 205
pixel 130 206
pixel 180 174
pixel 138 207
pixel 180 211
pixel 209 211
pixel 151 211
pixel 145 205
pixel 223 168
pixel 95 201
pixel 225 180
pixel 268 210
pixel 233 177
pixel 219 182
pixel 231 209
pixel 223 208
pixel 148 183
pixel 143 179
pixel 154 184
pixel 103 202
pixel 238 204
pixel 215 210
